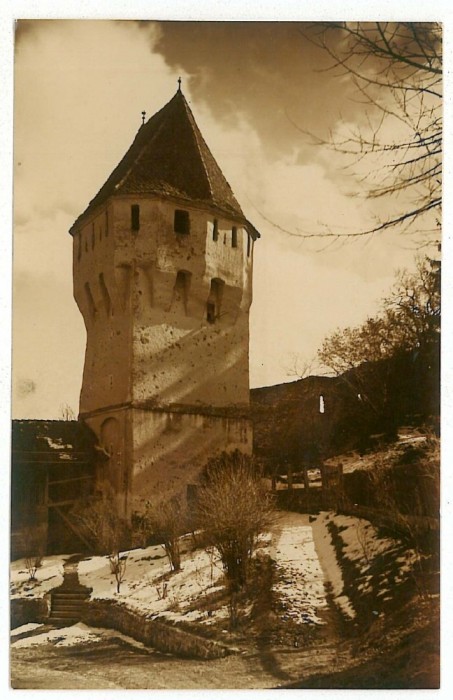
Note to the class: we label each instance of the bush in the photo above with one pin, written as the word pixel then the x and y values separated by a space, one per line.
pixel 165 522
pixel 233 508
pixel 108 532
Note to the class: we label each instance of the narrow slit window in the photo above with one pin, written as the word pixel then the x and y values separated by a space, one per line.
pixel 210 312
pixel 215 231
pixel 181 291
pixel 182 221
pixel 105 295
pixel 90 301
pixel 249 245
pixel 234 237
pixel 135 217
pixel 214 300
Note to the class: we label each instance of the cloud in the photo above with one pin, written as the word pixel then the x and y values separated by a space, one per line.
pixel 80 90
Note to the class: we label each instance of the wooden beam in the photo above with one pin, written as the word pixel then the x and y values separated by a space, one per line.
pixel 72 478
pixel 72 527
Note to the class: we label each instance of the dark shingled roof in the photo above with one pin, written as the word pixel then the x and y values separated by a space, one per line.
pixel 170 157
pixel 50 442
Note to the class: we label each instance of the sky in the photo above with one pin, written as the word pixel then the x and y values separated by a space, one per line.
pixel 255 90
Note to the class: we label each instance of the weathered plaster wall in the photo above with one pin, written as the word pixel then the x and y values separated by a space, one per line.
pixel 102 294
pixel 178 356
pixel 170 449
pixel 144 297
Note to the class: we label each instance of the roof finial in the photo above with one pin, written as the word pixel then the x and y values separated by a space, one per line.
pixel 143 116
pixel 179 84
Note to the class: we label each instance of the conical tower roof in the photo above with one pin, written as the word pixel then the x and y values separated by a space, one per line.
pixel 170 157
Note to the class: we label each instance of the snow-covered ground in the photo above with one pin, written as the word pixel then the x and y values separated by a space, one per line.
pixel 49 575
pixel 301 547
pixel 71 636
pixel 363 546
pixel 149 590
pixel 300 579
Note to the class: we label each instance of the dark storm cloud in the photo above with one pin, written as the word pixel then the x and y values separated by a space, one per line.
pixel 268 71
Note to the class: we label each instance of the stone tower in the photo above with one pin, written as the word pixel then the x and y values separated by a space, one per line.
pixel 162 270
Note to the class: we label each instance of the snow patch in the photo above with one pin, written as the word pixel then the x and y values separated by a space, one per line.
pixel 26 628
pixel 49 575
pixel 300 587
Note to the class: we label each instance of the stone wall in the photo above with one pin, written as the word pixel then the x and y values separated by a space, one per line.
pixel 23 611
pixel 159 635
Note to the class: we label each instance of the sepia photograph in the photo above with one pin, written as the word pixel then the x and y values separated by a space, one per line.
pixel 226 324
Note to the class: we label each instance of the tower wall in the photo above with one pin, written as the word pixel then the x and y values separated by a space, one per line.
pixel 170 449
pixel 102 292
pixel 165 382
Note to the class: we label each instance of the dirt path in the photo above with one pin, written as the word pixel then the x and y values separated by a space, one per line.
pixel 117 665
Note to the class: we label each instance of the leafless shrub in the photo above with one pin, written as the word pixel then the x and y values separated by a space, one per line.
pixel 162 590
pixel 234 507
pixel 165 521
pixel 108 532
pixel 34 551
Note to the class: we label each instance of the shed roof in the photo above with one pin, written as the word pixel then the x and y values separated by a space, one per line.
pixel 50 442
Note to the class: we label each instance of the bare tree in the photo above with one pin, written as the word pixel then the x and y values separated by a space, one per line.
pixel 234 507
pixel 297 366
pixel 165 520
pixel 34 550
pixel 396 68
pixel 107 531
pixel 410 318
pixel 67 412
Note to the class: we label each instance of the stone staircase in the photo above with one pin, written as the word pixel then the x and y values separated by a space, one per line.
pixel 67 601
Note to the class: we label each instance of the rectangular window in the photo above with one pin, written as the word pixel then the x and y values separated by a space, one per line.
pixel 215 230
pixel 182 221
pixel 234 237
pixel 135 217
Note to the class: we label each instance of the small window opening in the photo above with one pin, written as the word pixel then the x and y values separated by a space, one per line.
pixel 135 217
pixel 234 237
pixel 249 244
pixel 90 301
pixel 182 221
pixel 321 404
pixel 181 290
pixel 214 300
pixel 210 312
pixel 215 231
pixel 105 295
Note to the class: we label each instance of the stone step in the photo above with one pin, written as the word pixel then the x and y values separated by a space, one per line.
pixel 70 596
pixel 63 621
pixel 54 608
pixel 65 613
